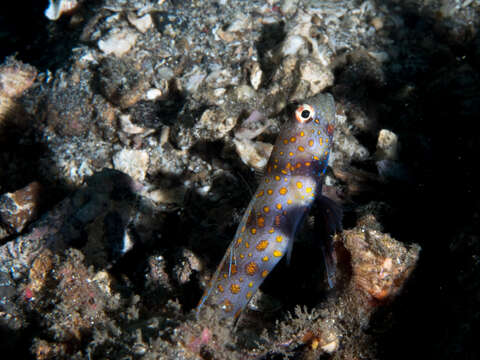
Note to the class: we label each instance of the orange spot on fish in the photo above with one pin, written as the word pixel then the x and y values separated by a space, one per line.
pixel 260 221
pixel 235 289
pixel 227 306
pixel 251 268
pixel 262 245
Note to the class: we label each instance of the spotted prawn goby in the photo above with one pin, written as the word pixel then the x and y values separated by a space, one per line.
pixel 293 179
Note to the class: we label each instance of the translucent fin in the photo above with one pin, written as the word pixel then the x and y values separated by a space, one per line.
pixel 246 183
pixel 295 219
pixel 259 175
pixel 330 263
pixel 332 214
pixel 289 250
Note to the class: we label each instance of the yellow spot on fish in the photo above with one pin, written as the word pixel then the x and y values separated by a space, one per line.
pixel 253 231
pixel 269 191
pixel 302 133
pixel 316 158
pixel 301 149
pixel 290 153
pixel 225 275
pixel 320 140
pixel 260 193
pixel 276 161
pixel 279 206
pixel 298 165
pixel 239 241
pixel 285 141
pixel 262 245
pixel 277 253
pixel 283 191
pixel 285 172
pixel 299 184
pixel 281 153
pixel 240 279
pixel 318 122
pixel 271 231
pixel 308 189
pixel 289 201
pixel 251 268
pixel 310 143
pixel 248 295
pixel 220 288
pixel 279 238
pixel 308 163
pixel 293 139
pixel 264 273
pixel 326 153
pixel 265 258
pixel 241 256
pixel 247 244
pixel 233 269
pixel 267 180
pixel 250 284
pixel 250 254
pixel 235 289
pixel 266 209
pixel 243 229
pixel 277 177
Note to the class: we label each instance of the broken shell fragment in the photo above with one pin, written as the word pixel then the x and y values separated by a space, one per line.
pixel 132 162
pixel 57 8
pixel 118 43
pixel 256 74
pixel 141 23
pixel 387 145
pixel 19 208
pixel 253 153
pixel 252 126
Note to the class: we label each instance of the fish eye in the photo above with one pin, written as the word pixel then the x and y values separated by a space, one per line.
pixel 304 113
